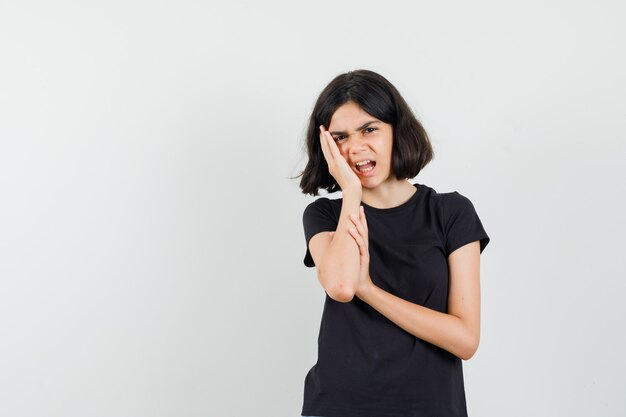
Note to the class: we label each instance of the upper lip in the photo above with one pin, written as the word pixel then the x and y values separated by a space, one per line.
pixel 361 160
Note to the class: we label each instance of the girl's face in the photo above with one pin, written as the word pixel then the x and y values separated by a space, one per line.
pixel 360 136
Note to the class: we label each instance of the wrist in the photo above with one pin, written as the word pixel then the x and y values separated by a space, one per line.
pixel 353 192
pixel 350 205
pixel 365 290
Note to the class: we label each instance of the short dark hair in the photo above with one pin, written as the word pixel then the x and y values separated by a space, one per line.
pixel 411 150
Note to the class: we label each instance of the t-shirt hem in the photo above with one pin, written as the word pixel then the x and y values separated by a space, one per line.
pixel 354 412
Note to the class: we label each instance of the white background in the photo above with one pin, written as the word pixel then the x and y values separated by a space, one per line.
pixel 151 242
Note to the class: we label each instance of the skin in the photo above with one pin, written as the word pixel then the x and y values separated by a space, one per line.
pixel 458 330
pixel 346 145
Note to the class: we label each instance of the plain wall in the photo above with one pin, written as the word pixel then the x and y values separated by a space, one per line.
pixel 151 242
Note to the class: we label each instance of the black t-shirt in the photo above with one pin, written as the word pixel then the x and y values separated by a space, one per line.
pixel 367 365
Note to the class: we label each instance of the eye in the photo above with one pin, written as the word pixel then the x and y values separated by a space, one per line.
pixel 339 137
pixel 370 129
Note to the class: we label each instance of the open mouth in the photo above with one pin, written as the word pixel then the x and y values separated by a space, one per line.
pixel 365 166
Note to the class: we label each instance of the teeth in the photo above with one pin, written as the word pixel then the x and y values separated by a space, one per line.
pixel 363 163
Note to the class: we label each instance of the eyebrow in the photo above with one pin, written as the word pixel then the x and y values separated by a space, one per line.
pixel 363 126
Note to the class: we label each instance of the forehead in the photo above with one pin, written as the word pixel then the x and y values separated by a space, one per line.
pixel 349 116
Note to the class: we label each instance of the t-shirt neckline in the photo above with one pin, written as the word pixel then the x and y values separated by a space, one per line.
pixel 402 206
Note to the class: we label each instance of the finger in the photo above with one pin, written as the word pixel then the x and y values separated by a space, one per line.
pixel 362 244
pixel 324 144
pixel 328 155
pixel 359 240
pixel 330 142
pixel 364 223
pixel 362 241
pixel 334 150
pixel 362 216
pixel 362 232
pixel 357 223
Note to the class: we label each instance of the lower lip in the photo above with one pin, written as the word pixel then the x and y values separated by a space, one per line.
pixel 368 173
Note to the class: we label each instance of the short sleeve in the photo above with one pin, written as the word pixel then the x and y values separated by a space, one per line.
pixel 318 217
pixel 462 224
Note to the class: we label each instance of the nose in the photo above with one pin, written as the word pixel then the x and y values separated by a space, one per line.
pixel 357 143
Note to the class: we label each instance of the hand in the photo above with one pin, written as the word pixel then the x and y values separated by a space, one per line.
pixel 360 235
pixel 337 165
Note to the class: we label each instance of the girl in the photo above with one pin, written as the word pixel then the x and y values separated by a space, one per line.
pixel 399 261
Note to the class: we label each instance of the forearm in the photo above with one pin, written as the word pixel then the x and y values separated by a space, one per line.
pixel 340 266
pixel 444 330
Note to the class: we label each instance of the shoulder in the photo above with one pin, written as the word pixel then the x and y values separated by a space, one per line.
pixel 455 201
pixel 450 200
pixel 321 204
pixel 319 216
pixel 461 223
pixel 451 205
pixel 322 207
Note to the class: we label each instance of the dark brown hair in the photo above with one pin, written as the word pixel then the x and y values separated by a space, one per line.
pixel 411 150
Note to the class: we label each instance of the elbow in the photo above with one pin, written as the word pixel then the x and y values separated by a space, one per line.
pixel 470 349
pixel 340 291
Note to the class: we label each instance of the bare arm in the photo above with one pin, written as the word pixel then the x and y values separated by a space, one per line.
pixel 339 266
pixel 457 331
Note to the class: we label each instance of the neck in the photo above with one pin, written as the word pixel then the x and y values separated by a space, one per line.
pixel 389 194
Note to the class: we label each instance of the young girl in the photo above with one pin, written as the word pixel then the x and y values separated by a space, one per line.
pixel 399 261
